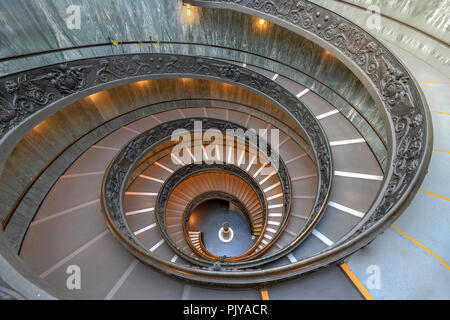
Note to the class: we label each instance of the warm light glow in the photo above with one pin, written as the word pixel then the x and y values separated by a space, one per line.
pixel 188 9
pixel 261 21
pixel 142 83
pixel 40 126
pixel 95 96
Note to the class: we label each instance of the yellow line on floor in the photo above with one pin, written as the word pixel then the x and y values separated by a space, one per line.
pixel 265 295
pixel 441 82
pixel 441 150
pixel 447 114
pixel 422 246
pixel 436 195
pixel 358 284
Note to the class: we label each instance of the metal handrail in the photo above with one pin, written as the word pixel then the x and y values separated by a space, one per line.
pixel 392 200
pixel 398 21
pixel 42 52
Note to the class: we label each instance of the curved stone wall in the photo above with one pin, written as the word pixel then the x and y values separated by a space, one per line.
pixel 46 140
pixel 41 25
pixel 432 17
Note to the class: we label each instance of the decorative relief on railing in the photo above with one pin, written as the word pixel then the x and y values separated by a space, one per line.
pixel 24 94
pixel 120 169
pixel 402 101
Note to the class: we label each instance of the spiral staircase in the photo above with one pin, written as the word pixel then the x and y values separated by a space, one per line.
pixel 108 158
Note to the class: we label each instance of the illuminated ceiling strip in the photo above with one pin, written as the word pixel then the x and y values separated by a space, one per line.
pixel 240 158
pixel 283 142
pixel 291 232
pixel 295 158
pixel 217 152
pixel 204 153
pixel 304 177
pixel 280 205
pixel 327 114
pixel 230 154
pixel 156 118
pixel 275 196
pixel 139 211
pixel 77 175
pixel 291 258
pixel 302 93
pixel 150 178
pixel 141 193
pixel 251 163
pixel 338 206
pixel 177 159
pixel 322 237
pixel 121 280
pixel 259 170
pixel 157 245
pixel 271 187
pixel 274 223
pixel 144 229
pixel 299 216
pixel 303 197
pixel 131 130
pixel 266 178
pixel 358 175
pixel 275 215
pixel 343 142
pixel 181 113
pixel 190 153
pixel 73 254
pixel 271 230
pixel 163 166
pixel 248 119
pixel 64 212
pixel 105 148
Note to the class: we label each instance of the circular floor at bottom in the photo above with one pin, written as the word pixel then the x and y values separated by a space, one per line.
pixel 209 217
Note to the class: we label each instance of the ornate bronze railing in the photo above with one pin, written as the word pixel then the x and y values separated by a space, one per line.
pixel 406 117
pixel 316 81
pixel 144 143
pixel 398 98
pixel 191 171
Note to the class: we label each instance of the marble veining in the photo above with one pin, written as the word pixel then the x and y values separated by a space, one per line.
pixel 27 26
